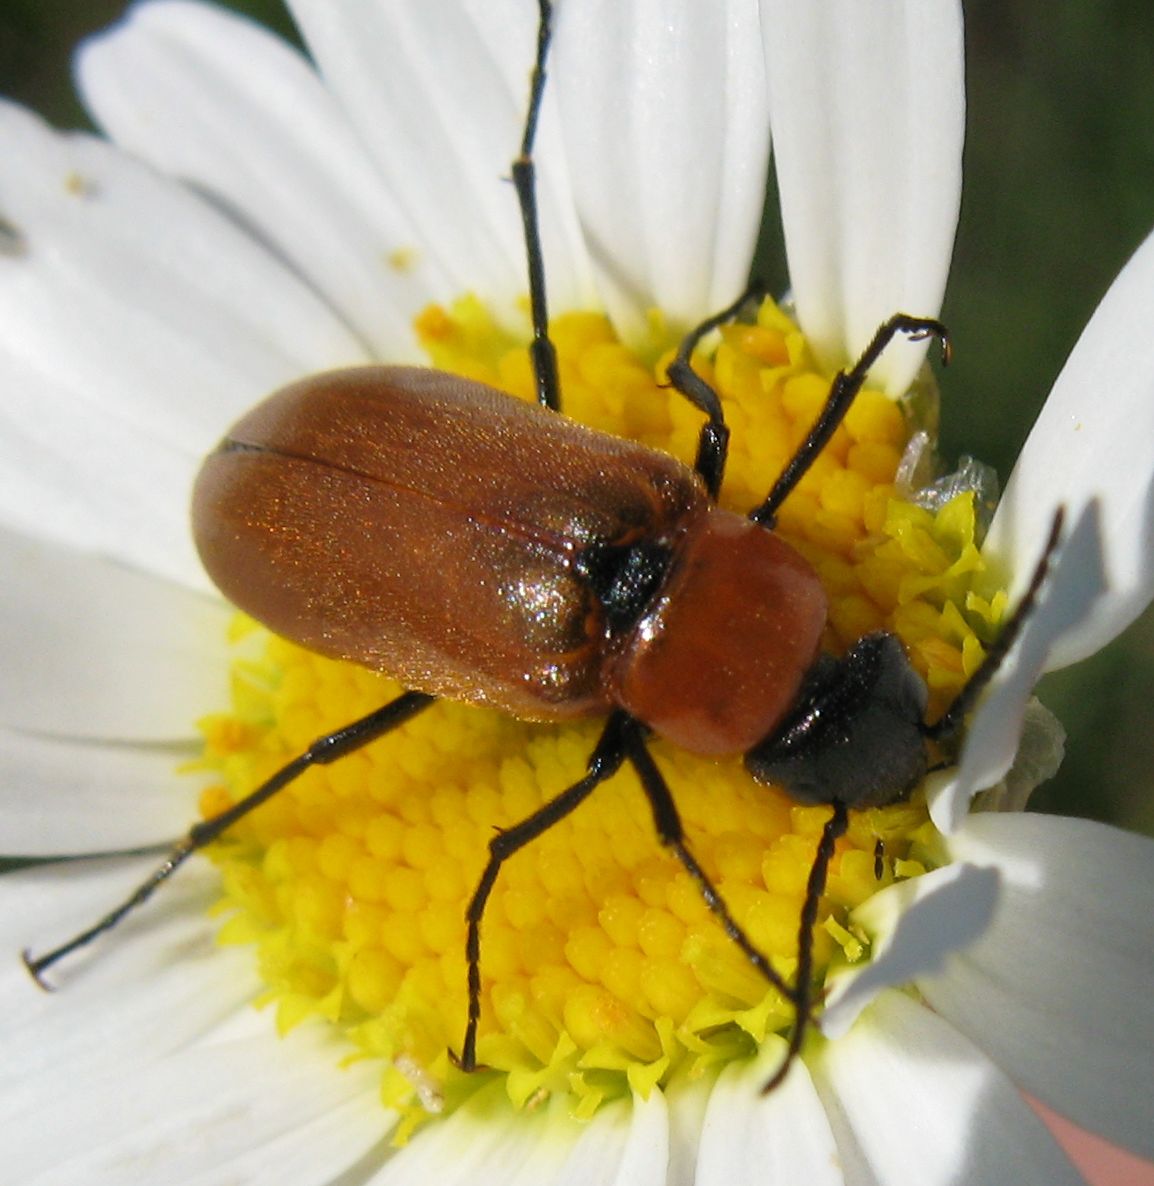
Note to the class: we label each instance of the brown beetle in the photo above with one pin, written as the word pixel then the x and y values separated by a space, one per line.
pixel 572 573
pixel 486 550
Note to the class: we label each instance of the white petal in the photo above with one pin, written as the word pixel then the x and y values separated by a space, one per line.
pixel 917 925
pixel 749 1138
pixel 60 798
pixel 153 985
pixel 922 1106
pixel 1072 591
pixel 1058 989
pixel 626 1144
pixel 214 98
pixel 868 110
pixel 687 1103
pixel 485 1143
pixel 90 649
pixel 665 122
pixel 438 95
pixel 135 324
pixel 1094 441
pixel 251 1112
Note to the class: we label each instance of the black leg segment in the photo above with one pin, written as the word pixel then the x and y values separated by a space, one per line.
pixel 834 830
pixel 713 443
pixel 604 763
pixel 541 350
pixel 842 392
pixel 322 751
pixel 669 830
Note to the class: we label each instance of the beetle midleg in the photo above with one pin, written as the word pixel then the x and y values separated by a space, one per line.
pixel 603 763
pixel 667 821
pixel 541 349
pixel 835 828
pixel 324 750
pixel 713 442
pixel 843 390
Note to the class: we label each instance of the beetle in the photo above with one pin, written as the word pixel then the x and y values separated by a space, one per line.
pixel 575 574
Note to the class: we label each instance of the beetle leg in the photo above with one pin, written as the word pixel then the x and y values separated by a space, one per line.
pixel 604 763
pixel 842 392
pixel 953 718
pixel 835 828
pixel 541 350
pixel 713 443
pixel 322 751
pixel 669 829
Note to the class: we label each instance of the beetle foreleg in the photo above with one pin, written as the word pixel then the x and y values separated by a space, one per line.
pixel 954 717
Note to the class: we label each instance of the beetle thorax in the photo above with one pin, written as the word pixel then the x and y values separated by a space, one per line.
pixel 720 655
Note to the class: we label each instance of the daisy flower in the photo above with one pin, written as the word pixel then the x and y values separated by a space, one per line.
pixel 258 217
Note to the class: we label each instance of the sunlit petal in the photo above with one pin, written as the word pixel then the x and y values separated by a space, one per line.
pixel 63 797
pixel 920 1104
pixel 1074 588
pixel 1094 444
pixel 99 441
pixel 160 985
pixel 91 649
pixel 627 1146
pixel 665 123
pixel 748 1138
pixel 868 111
pixel 918 924
pixel 215 99
pixel 440 117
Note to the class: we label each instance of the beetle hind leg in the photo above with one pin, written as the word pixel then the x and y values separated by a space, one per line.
pixel 324 750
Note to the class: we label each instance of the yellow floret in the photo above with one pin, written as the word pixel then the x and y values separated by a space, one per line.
pixel 602 967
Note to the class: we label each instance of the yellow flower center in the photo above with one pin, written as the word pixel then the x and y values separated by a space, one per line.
pixel 602 968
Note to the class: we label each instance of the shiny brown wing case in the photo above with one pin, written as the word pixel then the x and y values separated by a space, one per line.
pixel 427 526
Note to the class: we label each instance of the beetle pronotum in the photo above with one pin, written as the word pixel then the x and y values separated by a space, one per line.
pixel 665 613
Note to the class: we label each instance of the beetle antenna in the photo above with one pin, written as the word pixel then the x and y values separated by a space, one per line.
pixel 713 443
pixel 842 392
pixel 952 719
pixel 322 751
pixel 541 350
pixel 834 830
